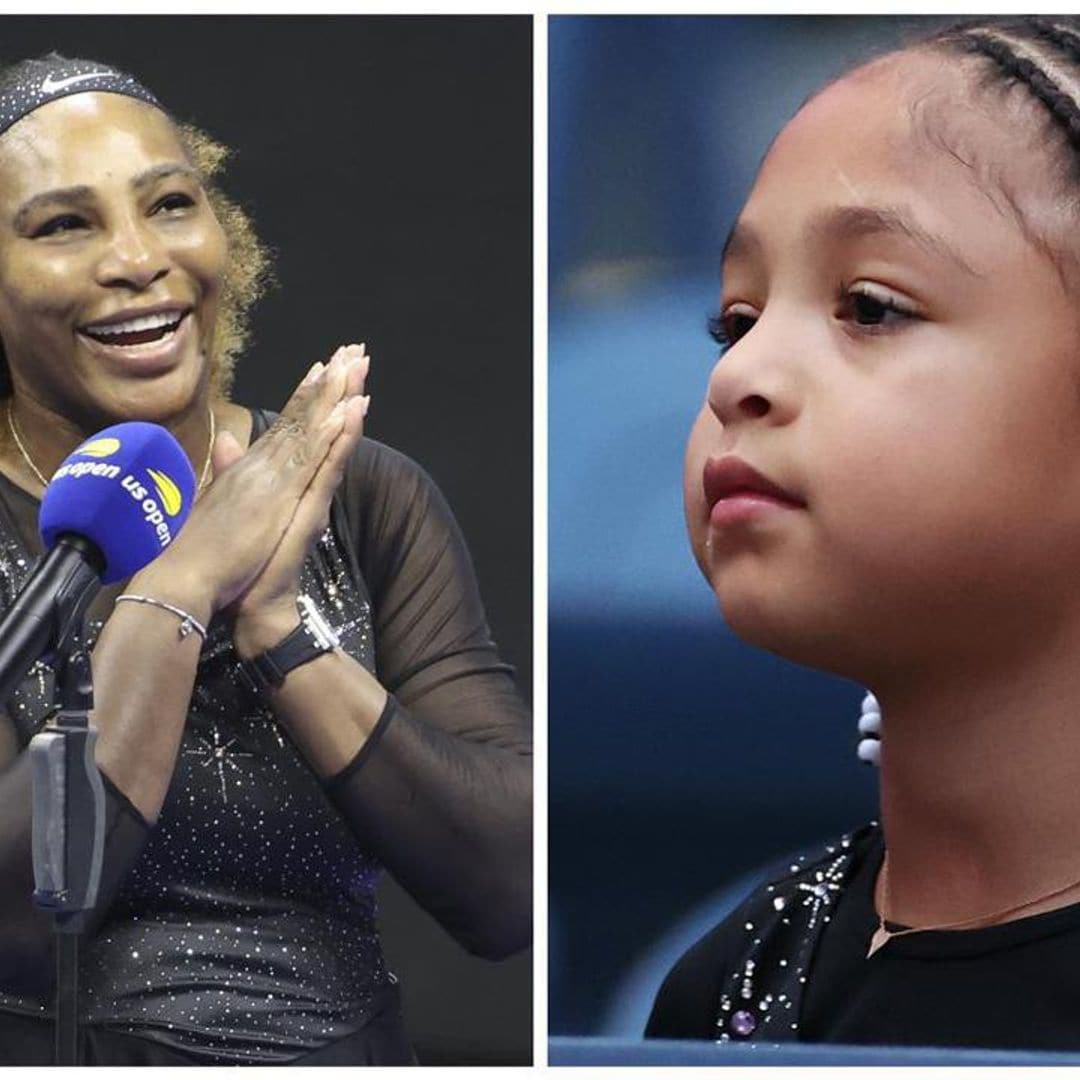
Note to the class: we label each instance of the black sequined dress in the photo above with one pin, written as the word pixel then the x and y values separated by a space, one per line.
pixel 790 963
pixel 245 930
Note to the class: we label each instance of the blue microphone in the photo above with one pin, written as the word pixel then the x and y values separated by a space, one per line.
pixel 128 490
pixel 114 504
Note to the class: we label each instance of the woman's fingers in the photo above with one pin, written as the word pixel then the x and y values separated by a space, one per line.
pixel 302 435
pixel 313 510
pixel 325 384
pixel 278 579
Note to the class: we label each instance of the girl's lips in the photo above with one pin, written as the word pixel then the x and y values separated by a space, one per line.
pixel 746 506
pixel 735 491
pixel 150 358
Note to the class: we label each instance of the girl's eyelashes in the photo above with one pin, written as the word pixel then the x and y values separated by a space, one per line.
pixel 726 327
pixel 872 309
pixel 865 307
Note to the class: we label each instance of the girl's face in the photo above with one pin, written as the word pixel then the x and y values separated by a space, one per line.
pixel 111 261
pixel 905 363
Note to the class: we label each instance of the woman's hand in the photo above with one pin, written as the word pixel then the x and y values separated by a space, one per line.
pixel 266 612
pixel 238 524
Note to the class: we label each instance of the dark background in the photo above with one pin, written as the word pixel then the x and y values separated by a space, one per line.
pixel 388 161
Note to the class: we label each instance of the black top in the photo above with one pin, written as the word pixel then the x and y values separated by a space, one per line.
pixel 244 929
pixel 1013 986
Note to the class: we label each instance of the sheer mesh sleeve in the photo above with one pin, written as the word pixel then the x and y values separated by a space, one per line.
pixel 443 789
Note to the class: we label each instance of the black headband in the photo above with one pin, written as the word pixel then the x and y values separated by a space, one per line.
pixel 45 80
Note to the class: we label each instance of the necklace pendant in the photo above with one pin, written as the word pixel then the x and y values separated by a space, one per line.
pixel 878 941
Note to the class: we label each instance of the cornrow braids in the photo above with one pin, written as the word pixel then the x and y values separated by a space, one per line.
pixel 1061 106
pixel 1064 39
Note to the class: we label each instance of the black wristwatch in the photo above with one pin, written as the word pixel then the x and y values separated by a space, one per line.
pixel 310 639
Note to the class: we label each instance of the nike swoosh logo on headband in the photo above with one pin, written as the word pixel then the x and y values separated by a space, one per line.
pixel 50 86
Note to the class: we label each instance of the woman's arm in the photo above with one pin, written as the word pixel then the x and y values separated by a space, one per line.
pixel 144 672
pixel 143 675
pixel 431 763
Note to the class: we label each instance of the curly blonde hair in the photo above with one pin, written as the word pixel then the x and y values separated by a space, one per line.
pixel 248 271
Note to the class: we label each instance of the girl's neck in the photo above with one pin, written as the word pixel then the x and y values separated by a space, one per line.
pixel 980 784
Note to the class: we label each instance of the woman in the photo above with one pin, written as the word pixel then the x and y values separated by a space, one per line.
pixel 884 482
pixel 248 816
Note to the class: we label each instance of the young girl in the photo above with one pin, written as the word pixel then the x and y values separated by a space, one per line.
pixel 884 482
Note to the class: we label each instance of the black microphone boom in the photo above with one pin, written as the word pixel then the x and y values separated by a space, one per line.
pixel 58 591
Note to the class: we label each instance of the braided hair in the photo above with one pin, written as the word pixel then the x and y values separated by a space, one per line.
pixel 1033 52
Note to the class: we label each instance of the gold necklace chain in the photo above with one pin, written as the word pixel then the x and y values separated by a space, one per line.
pixel 13 427
pixel 882 936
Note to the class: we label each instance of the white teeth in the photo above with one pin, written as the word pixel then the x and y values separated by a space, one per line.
pixel 143 322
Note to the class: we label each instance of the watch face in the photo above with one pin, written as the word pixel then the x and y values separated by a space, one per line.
pixel 319 629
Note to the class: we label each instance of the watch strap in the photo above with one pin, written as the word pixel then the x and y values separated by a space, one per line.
pixel 309 640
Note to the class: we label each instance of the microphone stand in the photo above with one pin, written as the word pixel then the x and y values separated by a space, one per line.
pixel 68 822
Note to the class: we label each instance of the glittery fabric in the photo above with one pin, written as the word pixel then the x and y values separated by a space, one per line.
pixel 769 944
pixel 791 963
pixel 782 923
pixel 47 79
pixel 245 930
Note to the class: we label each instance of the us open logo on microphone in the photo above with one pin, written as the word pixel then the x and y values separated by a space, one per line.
pixel 96 448
pixel 154 512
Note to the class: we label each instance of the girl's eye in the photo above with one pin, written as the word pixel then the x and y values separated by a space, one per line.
pixel 62 223
pixel 868 308
pixel 726 328
pixel 177 200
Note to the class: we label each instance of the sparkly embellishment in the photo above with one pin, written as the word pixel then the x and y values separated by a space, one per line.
pixel 46 80
pixel 743 1023
pixel 217 754
pixel 785 917
pixel 820 893
pixel 244 809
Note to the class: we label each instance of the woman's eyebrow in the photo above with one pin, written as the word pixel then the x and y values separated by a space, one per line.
pixel 160 172
pixel 853 223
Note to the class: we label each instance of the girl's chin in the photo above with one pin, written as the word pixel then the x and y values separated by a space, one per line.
pixel 795 628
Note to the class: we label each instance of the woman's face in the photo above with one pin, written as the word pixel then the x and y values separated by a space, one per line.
pixel 111 261
pixel 906 366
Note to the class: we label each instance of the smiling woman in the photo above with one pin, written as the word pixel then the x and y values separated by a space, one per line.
pixel 259 779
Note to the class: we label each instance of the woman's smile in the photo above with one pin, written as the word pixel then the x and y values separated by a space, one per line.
pixel 144 343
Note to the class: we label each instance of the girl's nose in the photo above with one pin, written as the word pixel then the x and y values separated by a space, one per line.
pixel 749 383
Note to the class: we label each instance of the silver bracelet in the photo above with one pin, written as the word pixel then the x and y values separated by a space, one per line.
pixel 187 622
